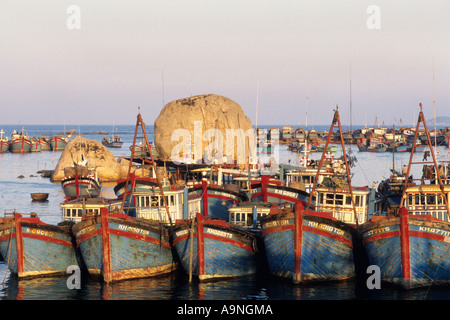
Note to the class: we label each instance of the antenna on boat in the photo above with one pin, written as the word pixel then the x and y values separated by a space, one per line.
pixel 146 147
pixel 336 122
pixel 421 119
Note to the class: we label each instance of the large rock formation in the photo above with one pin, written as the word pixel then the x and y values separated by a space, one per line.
pixel 96 154
pixel 192 118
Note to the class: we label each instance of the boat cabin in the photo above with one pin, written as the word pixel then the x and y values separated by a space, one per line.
pixel 338 201
pixel 427 200
pixel 74 210
pixel 248 214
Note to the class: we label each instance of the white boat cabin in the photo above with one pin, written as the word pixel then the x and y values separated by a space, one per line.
pixel 248 215
pixel 150 205
pixel 339 202
pixel 74 210
pixel 427 200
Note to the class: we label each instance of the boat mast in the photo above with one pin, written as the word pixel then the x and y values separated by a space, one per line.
pixel 145 142
pixel 336 122
pixel 421 119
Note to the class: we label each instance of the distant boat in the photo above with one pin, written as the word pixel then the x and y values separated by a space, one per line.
pixel 4 142
pixel 20 142
pixel 59 142
pixel 45 144
pixel 35 145
pixel 81 181
pixel 377 148
pixel 112 142
pixel 33 248
pixel 212 249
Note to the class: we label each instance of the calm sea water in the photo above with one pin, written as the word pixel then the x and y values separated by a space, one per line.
pixel 19 178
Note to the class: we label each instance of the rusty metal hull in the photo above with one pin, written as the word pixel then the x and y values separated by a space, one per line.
pixel 117 247
pixel 308 247
pixel 411 251
pixel 218 251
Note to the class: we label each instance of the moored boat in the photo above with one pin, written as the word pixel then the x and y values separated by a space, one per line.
pixel 410 242
pixel 35 145
pixel 45 143
pixel 32 248
pixel 308 246
pixel 20 142
pixel 112 142
pixel 81 181
pixel 212 249
pixel 117 247
pixel 59 142
pixel 4 142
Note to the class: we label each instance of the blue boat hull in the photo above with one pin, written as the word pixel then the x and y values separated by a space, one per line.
pixel 218 200
pixel 218 251
pixel 308 247
pixel 34 249
pixel 116 247
pixel 411 251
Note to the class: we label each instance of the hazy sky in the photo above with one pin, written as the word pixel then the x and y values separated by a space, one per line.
pixel 117 59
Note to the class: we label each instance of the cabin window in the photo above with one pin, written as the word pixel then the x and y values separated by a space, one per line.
pixel 411 200
pixel 339 199
pixel 431 199
pixel 329 198
pixel 348 200
pixel 357 201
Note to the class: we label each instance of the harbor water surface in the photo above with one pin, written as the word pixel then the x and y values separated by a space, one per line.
pixel 19 178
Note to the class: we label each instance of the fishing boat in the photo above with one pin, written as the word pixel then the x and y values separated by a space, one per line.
pixel 45 144
pixel 303 244
pixel 32 248
pixel 81 180
pixel 35 145
pixel 116 247
pixel 4 142
pixel 410 245
pixel 307 246
pixel 59 142
pixel 20 142
pixel 112 142
pixel 364 147
pixel 212 249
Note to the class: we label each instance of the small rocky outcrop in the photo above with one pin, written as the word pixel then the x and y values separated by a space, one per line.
pixel 95 155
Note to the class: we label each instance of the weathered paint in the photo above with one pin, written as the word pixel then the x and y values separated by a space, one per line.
pixel 118 247
pixel 77 186
pixel 32 248
pixel 411 251
pixel 266 192
pixel 308 246
pixel 219 250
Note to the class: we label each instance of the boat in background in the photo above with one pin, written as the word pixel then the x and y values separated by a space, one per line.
pixel 20 142
pixel 59 142
pixel 45 143
pixel 32 248
pixel 4 142
pixel 35 145
pixel 212 249
pixel 81 180
pixel 112 142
